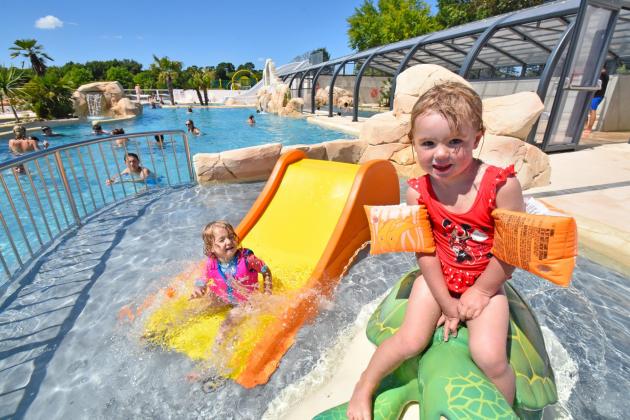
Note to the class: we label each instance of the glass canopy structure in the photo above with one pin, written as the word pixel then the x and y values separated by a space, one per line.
pixel 562 44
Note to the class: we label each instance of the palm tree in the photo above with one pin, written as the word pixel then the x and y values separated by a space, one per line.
pixel 167 71
pixel 11 80
pixel 33 51
pixel 196 82
pixel 49 96
pixel 209 75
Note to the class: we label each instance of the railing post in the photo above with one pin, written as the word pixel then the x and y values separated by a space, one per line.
pixel 191 172
pixel 66 186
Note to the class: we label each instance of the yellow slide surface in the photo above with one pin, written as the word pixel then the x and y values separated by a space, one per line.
pixel 306 225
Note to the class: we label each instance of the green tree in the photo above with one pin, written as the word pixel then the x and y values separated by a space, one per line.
pixel 194 80
pixel 457 12
pixel 168 70
pixel 48 96
pixel 11 80
pixel 146 79
pixel 77 75
pixel 247 66
pixel 209 76
pixel 30 49
pixel 120 74
pixel 99 68
pixel 389 21
pixel 224 70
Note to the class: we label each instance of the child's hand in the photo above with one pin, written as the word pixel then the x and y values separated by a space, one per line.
pixel 450 325
pixel 450 319
pixel 472 302
pixel 198 292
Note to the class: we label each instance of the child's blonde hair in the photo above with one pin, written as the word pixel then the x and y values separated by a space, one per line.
pixel 208 235
pixel 456 102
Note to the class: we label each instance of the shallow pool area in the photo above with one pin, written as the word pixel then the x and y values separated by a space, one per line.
pixel 65 353
pixel 221 128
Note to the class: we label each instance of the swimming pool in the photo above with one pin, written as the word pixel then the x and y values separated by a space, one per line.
pixel 65 354
pixel 222 129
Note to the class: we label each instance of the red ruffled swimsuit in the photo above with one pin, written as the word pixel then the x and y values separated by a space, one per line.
pixel 463 241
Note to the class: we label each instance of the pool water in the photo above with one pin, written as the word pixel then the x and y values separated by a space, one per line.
pixel 222 129
pixel 66 355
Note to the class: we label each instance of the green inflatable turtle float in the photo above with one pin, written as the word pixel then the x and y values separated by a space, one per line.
pixel 446 382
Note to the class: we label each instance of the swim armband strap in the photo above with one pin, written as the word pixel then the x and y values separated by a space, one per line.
pixel 541 244
pixel 399 228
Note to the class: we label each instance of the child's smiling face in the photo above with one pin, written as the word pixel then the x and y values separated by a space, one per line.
pixel 224 246
pixel 441 153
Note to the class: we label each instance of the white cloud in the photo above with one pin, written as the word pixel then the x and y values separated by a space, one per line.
pixel 48 22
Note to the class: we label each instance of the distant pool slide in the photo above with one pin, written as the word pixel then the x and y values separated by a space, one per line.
pixel 307 224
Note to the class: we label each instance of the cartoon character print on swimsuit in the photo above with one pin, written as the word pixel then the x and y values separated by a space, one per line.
pixel 463 241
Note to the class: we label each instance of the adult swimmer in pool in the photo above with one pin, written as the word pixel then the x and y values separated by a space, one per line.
pixel 133 171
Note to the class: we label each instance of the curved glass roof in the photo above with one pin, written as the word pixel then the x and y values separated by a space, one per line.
pixel 524 37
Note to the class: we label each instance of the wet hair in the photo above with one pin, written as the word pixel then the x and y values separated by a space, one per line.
pixel 159 138
pixel 457 103
pixel 33 138
pixel 45 128
pixel 131 154
pixel 18 128
pixel 208 236
pixel 97 127
pixel 251 117
pixel 116 131
pixel 190 121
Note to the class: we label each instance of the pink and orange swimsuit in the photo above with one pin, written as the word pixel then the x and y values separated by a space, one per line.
pixel 235 281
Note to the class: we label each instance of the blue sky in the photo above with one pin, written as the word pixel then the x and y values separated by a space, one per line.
pixel 194 32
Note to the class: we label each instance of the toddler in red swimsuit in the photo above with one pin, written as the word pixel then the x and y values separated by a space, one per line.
pixel 461 281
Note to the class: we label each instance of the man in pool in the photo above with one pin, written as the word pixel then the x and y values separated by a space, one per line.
pixel 134 171
pixel 24 145
pixel 47 131
pixel 97 129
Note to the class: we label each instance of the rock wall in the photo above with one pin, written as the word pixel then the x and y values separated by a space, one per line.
pixel 256 163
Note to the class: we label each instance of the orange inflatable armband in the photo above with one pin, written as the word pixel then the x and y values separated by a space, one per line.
pixel 399 228
pixel 541 244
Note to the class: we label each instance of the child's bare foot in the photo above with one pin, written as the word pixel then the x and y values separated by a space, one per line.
pixel 360 405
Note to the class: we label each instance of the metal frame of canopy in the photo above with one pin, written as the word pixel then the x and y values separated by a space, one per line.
pixel 550 37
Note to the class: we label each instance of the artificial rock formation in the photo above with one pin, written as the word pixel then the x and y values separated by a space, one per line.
pixel 256 162
pixel 508 120
pixel 112 103
pixel 275 96
pixel 341 97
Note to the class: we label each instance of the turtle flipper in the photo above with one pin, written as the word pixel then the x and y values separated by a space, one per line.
pixel 390 400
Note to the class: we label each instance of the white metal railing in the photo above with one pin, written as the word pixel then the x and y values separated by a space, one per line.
pixel 45 194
